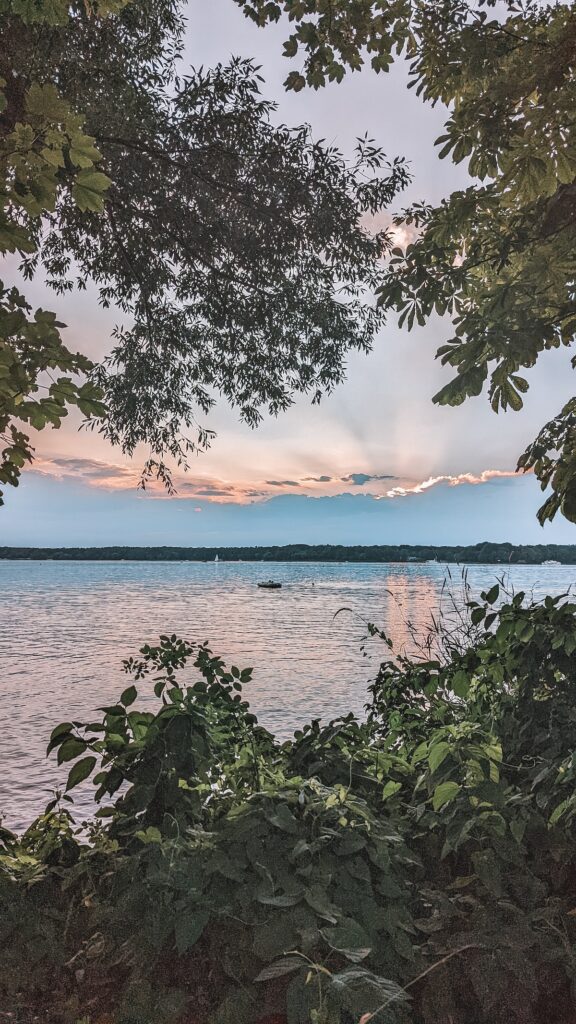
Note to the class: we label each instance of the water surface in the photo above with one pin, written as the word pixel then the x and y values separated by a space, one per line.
pixel 66 626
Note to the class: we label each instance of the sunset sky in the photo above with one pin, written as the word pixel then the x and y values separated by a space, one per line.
pixel 374 462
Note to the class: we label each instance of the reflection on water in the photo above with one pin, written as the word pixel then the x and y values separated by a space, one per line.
pixel 65 628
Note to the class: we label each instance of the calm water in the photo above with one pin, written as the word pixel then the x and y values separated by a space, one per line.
pixel 65 627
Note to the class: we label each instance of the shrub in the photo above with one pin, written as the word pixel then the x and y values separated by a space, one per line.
pixel 418 866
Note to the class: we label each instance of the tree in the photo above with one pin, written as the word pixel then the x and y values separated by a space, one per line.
pixel 232 246
pixel 498 256
pixel 43 152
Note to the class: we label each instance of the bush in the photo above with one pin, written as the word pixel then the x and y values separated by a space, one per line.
pixel 416 867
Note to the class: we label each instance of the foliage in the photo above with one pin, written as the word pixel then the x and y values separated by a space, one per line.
pixel 231 245
pixel 29 349
pixel 415 867
pixel 498 256
pixel 485 553
pixel 44 155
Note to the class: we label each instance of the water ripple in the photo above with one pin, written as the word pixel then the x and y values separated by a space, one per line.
pixel 65 628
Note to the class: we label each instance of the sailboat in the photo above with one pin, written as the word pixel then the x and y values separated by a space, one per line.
pixel 216 559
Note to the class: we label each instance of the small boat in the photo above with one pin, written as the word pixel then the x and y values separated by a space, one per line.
pixel 551 561
pixel 270 585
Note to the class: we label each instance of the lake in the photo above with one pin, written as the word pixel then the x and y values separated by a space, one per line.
pixel 66 626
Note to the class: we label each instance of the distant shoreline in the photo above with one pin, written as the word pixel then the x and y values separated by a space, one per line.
pixel 486 553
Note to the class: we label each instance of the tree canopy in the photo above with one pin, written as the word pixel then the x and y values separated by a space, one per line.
pixel 231 245
pixel 498 256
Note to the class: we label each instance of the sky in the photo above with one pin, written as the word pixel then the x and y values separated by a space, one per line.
pixel 376 461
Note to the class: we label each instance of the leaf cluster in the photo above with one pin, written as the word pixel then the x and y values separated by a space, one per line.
pixel 32 355
pixel 45 154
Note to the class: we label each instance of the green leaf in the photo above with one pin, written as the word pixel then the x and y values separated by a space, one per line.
pixel 318 899
pixel 437 755
pixel 86 200
pixel 114 710
pixel 128 696
pixel 285 900
pixel 444 793
pixel 524 631
pixel 70 749
pixel 560 810
pixel 295 81
pixel 285 965
pixel 349 938
pixel 80 771
pixel 460 684
pixel 150 835
pixel 390 789
pixel 57 735
pixel 283 819
pixel 189 928
pixel 94 181
pixel 569 501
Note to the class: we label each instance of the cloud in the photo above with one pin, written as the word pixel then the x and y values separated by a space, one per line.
pixel 282 483
pixel 104 474
pixel 453 481
pixel 87 467
pixel 108 476
pixel 112 476
pixel 359 479
pixel 401 235
pixel 214 492
pixel 451 511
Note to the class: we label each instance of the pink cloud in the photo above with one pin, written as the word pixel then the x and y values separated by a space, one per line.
pixel 111 476
pixel 108 475
pixel 118 477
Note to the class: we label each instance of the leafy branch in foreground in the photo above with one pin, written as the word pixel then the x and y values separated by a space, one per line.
pixel 498 256
pixel 44 155
pixel 415 867
pixel 233 247
pixel 31 349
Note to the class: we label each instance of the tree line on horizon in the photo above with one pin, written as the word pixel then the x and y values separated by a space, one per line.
pixel 486 552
